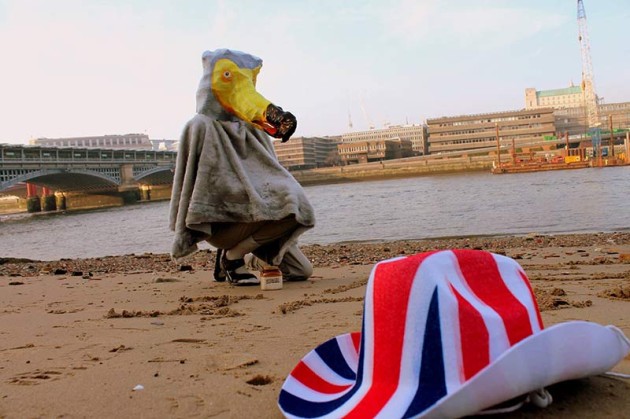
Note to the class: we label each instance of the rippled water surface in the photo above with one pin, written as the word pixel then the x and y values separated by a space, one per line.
pixel 432 206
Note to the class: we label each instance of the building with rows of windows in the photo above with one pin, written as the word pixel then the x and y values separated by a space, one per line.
pixel 569 97
pixel 129 141
pixel 415 134
pixel 374 150
pixel 472 132
pixel 573 120
pixel 301 153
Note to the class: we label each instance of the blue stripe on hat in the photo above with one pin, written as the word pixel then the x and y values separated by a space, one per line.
pixel 306 409
pixel 297 406
pixel 330 353
pixel 432 384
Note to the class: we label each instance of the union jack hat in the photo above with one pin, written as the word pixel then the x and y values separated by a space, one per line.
pixel 446 334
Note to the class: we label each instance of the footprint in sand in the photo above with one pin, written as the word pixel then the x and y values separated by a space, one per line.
pixel 186 406
pixel 35 377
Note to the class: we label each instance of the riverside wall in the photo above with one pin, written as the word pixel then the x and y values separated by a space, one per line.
pixel 83 201
pixel 12 204
pixel 392 169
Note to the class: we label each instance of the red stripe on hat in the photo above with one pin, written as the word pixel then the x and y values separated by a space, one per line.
pixel 305 375
pixel 474 337
pixel 391 289
pixel 531 293
pixel 484 279
pixel 356 340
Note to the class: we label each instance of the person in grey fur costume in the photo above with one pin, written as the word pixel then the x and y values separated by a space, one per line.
pixel 229 188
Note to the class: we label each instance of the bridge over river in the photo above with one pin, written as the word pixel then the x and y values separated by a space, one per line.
pixel 82 170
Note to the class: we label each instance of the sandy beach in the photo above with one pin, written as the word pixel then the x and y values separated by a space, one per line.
pixel 77 336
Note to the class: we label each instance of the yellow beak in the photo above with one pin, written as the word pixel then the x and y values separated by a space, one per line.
pixel 235 89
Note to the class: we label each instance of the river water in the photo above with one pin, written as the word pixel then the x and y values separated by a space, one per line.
pixel 462 204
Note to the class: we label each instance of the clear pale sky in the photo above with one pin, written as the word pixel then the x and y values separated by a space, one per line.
pixel 87 67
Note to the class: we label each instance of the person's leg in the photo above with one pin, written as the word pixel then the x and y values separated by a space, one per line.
pixel 271 231
pixel 294 266
pixel 236 240
pixel 239 239
pixel 227 235
pixel 269 236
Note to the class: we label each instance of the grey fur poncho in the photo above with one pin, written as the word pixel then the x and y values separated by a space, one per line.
pixel 227 171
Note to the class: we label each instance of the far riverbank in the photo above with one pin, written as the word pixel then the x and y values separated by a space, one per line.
pixel 391 169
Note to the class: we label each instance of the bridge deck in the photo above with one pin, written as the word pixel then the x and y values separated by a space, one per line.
pixel 76 168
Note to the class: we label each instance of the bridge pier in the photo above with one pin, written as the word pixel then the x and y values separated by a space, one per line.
pixel 145 192
pixel 48 200
pixel 61 201
pixel 33 203
pixel 128 189
pixel 130 196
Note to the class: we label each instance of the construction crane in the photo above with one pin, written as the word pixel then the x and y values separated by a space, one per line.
pixel 366 116
pixel 588 81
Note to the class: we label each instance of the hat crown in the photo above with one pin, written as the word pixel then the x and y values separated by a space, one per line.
pixel 431 322
pixel 439 318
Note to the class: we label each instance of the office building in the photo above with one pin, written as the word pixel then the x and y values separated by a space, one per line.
pixel 466 133
pixel 374 150
pixel 416 134
pixel 302 153
pixel 573 120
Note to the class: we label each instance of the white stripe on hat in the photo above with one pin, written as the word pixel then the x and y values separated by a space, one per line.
pixel 316 363
pixel 420 295
pixel 510 271
pixel 497 334
pixel 348 351
pixel 307 393
pixel 451 338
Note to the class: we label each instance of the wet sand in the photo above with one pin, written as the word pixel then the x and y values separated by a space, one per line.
pixel 76 336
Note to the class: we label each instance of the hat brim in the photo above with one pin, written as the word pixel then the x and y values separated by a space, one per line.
pixel 565 351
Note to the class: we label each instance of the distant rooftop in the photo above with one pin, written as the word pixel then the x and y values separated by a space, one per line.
pixel 572 90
